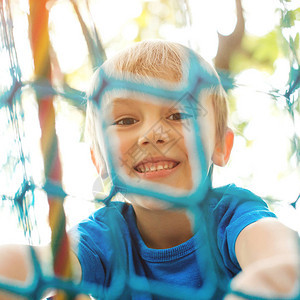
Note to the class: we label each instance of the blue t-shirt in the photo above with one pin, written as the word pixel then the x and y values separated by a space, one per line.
pixel 112 253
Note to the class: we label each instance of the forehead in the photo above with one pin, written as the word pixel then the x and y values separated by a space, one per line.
pixel 132 103
pixel 132 100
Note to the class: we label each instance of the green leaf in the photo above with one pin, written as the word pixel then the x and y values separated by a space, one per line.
pixel 288 19
pixel 297 14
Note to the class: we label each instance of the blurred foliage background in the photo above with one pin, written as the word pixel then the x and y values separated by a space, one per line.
pixel 255 42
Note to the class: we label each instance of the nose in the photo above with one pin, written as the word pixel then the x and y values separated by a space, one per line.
pixel 158 134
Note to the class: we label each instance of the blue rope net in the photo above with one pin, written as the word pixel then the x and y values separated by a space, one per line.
pixel 17 184
pixel 20 189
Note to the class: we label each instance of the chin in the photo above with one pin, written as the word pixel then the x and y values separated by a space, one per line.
pixel 149 202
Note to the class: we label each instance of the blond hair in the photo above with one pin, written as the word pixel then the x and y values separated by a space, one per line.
pixel 161 60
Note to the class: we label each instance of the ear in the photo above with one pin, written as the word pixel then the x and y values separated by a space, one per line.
pixel 94 160
pixel 222 152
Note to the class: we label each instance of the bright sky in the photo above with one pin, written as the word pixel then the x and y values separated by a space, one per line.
pixel 268 132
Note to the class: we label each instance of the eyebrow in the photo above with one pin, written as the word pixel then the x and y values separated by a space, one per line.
pixel 124 101
pixel 128 102
pixel 116 102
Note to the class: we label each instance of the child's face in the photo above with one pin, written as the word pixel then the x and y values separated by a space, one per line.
pixel 153 143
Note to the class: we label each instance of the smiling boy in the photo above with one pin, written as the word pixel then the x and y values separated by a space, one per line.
pixel 160 239
pixel 158 247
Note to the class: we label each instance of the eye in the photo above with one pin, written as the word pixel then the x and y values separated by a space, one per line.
pixel 179 116
pixel 125 121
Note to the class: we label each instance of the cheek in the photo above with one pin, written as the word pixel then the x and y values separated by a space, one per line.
pixel 205 138
pixel 127 149
pixel 122 143
pixel 123 140
pixel 125 144
pixel 207 128
pixel 183 147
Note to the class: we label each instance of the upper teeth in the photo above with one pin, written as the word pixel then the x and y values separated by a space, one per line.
pixel 155 167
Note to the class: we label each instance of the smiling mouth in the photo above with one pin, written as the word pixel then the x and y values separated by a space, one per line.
pixel 156 166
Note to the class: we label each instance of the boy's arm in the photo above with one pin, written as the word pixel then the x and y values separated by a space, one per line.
pixel 268 254
pixel 16 265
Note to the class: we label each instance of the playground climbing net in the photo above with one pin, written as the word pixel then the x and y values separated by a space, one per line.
pixel 17 183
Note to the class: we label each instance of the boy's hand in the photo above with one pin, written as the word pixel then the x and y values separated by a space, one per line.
pixel 16 267
pixel 268 253
pixel 270 278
